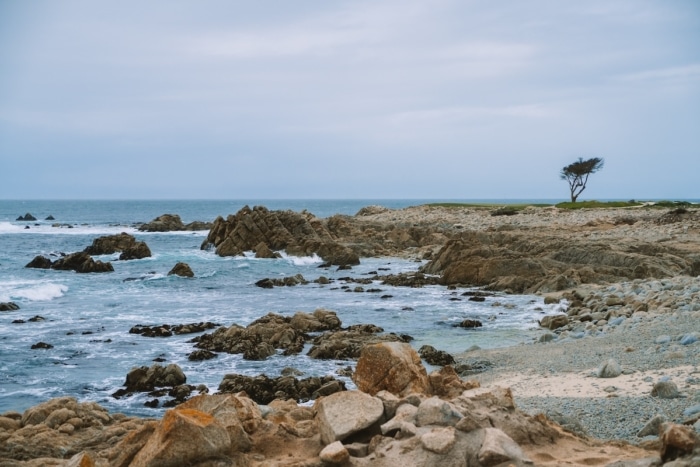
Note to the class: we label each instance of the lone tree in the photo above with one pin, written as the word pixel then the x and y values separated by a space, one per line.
pixel 576 174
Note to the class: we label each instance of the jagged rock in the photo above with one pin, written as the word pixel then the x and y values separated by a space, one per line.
pixel 172 223
pixel 281 282
pixel 263 251
pixel 319 320
pixel 652 427
pixel 143 379
pixel 390 366
pixel 182 270
pixel 40 262
pixel 199 355
pixel 348 344
pixel 300 234
pixel 258 340
pixel 124 242
pixel 435 357
pixel 341 415
pixel 446 383
pixel 334 453
pixel 8 306
pixel 263 389
pixel 26 217
pixel 519 263
pixel 81 262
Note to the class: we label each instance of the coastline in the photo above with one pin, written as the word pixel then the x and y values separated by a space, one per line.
pixel 559 378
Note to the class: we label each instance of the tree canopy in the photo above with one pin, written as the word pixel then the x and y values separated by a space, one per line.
pixel 576 174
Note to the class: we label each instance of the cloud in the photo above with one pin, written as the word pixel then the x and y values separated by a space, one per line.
pixel 690 73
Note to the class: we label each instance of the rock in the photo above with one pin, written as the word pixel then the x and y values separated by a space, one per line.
pixel 81 262
pixel 609 369
pixel 8 306
pixel 435 357
pixel 439 440
pixel 497 447
pixel 348 344
pixel 335 453
pixel 263 251
pixel 553 322
pixel 676 441
pixel 39 262
pixel 435 411
pixel 173 223
pixel 145 378
pixel 446 383
pixel 470 324
pixel 320 320
pixel 42 345
pixel 665 390
pixel 123 242
pixel 689 338
pixel 268 283
pixel 390 366
pixel 26 217
pixel 652 427
pixel 346 413
pixel 300 234
pixel 182 270
pixel 184 437
pixel 263 389
pixel 199 355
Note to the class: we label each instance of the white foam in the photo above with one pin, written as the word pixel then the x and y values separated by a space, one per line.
pixel 302 260
pixel 64 229
pixel 31 290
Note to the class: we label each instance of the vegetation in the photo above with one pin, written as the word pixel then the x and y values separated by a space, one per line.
pixel 599 204
pixel 576 174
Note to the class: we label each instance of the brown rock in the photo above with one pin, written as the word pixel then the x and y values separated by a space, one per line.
pixel 184 437
pixel 677 440
pixel 390 366
pixel 554 321
pixel 182 270
pixel 345 413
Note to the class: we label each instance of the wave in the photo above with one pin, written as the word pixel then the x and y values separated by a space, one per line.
pixel 34 291
pixel 302 260
pixel 64 229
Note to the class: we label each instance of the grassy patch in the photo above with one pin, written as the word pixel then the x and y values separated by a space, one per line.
pixel 517 207
pixel 598 204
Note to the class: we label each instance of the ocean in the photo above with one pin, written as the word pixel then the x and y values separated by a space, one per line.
pixel 87 317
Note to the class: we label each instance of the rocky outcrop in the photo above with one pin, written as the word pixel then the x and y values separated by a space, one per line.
pixel 182 270
pixel 173 223
pixel 123 242
pixel 167 330
pixel 263 389
pixel 8 306
pixel 300 234
pixel 26 217
pixel 347 344
pixel 390 366
pixel 78 262
pixel 518 262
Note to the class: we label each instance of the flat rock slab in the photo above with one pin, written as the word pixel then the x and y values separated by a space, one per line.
pixel 344 413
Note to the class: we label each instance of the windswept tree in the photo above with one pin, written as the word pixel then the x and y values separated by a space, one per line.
pixel 576 174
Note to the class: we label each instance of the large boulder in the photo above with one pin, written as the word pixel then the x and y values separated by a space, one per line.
pixel 123 242
pixel 347 344
pixel 141 379
pixel 391 366
pixel 341 415
pixel 259 229
pixel 182 270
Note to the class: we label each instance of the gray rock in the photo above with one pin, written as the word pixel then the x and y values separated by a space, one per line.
pixel 652 426
pixel 498 447
pixel 609 369
pixel 435 411
pixel 665 390
pixel 345 413
pixel 439 440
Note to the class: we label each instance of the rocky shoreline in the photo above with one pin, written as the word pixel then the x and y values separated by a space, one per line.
pixel 621 364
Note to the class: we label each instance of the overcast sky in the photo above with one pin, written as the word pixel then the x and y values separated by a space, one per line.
pixel 437 99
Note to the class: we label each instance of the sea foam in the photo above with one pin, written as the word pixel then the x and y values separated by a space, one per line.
pixel 31 290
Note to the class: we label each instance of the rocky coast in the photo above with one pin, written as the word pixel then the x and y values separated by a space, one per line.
pixel 613 381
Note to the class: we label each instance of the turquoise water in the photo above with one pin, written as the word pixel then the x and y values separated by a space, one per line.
pixel 86 317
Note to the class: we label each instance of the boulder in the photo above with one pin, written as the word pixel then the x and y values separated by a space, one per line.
pixel 39 262
pixel 435 357
pixel 142 379
pixel 609 369
pixel 677 441
pixel 182 270
pixel 665 390
pixel 26 217
pixel 263 251
pixel 184 437
pixel 391 366
pixel 8 306
pixel 343 414
pixel 553 322
pixel 81 262
pixel 164 223
pixel 347 344
pixel 123 242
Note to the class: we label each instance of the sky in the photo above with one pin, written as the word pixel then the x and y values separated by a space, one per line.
pixel 439 99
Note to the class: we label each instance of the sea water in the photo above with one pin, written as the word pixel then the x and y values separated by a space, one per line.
pixel 87 317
